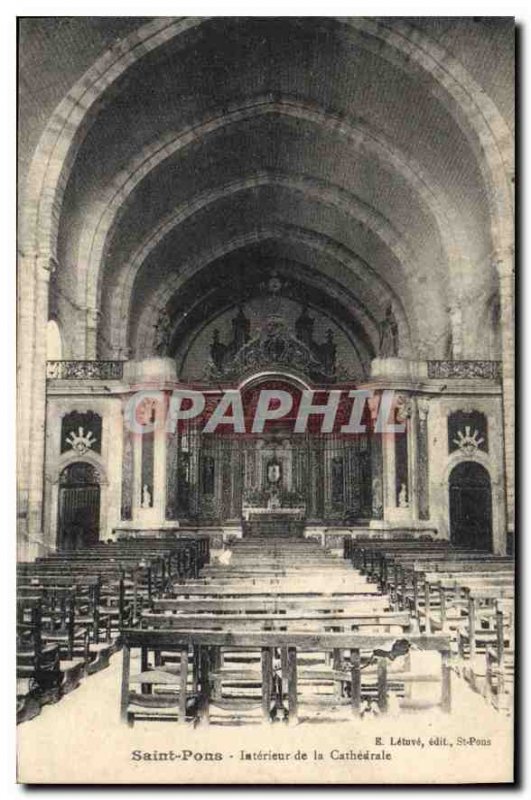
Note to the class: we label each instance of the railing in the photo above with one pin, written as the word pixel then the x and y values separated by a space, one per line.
pixel 84 370
pixel 489 370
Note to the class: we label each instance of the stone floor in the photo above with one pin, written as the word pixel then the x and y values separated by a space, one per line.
pixel 81 740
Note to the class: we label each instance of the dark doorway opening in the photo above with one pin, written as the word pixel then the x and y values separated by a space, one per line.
pixel 79 506
pixel 470 507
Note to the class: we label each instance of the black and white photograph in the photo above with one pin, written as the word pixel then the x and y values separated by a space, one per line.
pixel 265 399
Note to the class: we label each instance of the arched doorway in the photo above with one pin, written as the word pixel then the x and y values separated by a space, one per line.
pixel 470 506
pixel 79 506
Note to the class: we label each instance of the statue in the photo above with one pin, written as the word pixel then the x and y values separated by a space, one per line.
pixel 377 498
pixel 402 497
pixel 328 353
pixel 217 349
pixel 241 331
pixel 388 345
pixel 163 330
pixel 146 497
pixel 304 327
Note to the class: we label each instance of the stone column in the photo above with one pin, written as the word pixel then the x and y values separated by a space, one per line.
pixel 412 457
pixel 91 336
pixel 25 345
pixel 393 512
pixel 506 274
pixel 389 473
pixel 155 375
pixel 137 477
pixel 423 486
pixel 34 281
pixel 159 466
pixel 112 455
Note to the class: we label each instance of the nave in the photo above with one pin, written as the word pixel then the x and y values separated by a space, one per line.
pixel 269 629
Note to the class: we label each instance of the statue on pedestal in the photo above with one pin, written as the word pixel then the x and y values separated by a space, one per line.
pixel 146 497
pixel 377 498
pixel 402 497
pixel 328 353
pixel 388 345
pixel 162 337
pixel 217 349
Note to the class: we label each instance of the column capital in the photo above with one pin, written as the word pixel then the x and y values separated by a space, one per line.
pixel 43 266
pixel 405 407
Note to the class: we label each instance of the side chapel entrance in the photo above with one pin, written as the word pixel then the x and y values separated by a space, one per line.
pixel 79 506
pixel 470 506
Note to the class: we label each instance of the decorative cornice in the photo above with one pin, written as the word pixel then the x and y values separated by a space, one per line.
pixel 487 370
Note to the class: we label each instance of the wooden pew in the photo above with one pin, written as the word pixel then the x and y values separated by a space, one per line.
pixel 419 580
pixel 271 604
pixel 38 667
pixel 190 698
pixel 499 659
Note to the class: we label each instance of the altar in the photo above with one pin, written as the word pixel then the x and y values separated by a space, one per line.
pixel 250 512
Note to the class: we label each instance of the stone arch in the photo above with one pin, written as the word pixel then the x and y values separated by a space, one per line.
pixel 58 145
pixel 325 192
pixel 253 380
pixel 361 352
pixel 56 153
pixel 92 247
pixel 336 252
pixel 79 503
pixel 70 457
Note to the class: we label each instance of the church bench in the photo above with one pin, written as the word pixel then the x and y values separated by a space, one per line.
pixel 191 695
pixel 299 620
pixel 268 604
pixel 288 613
pixel 500 658
pixel 367 556
pixel 67 624
pixel 184 556
pixel 58 632
pixel 483 605
pixel 434 593
pixel 392 566
pixel 376 566
pixel 407 584
pixel 112 604
pixel 38 665
pixel 251 590
pixel 72 619
pixel 403 575
pixel 449 589
pixel 171 543
pixel 355 542
pixel 285 577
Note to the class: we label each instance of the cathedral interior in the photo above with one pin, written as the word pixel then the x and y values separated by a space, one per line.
pixel 298 202
pixel 265 397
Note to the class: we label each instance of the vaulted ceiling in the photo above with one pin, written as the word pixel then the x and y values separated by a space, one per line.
pixel 313 146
